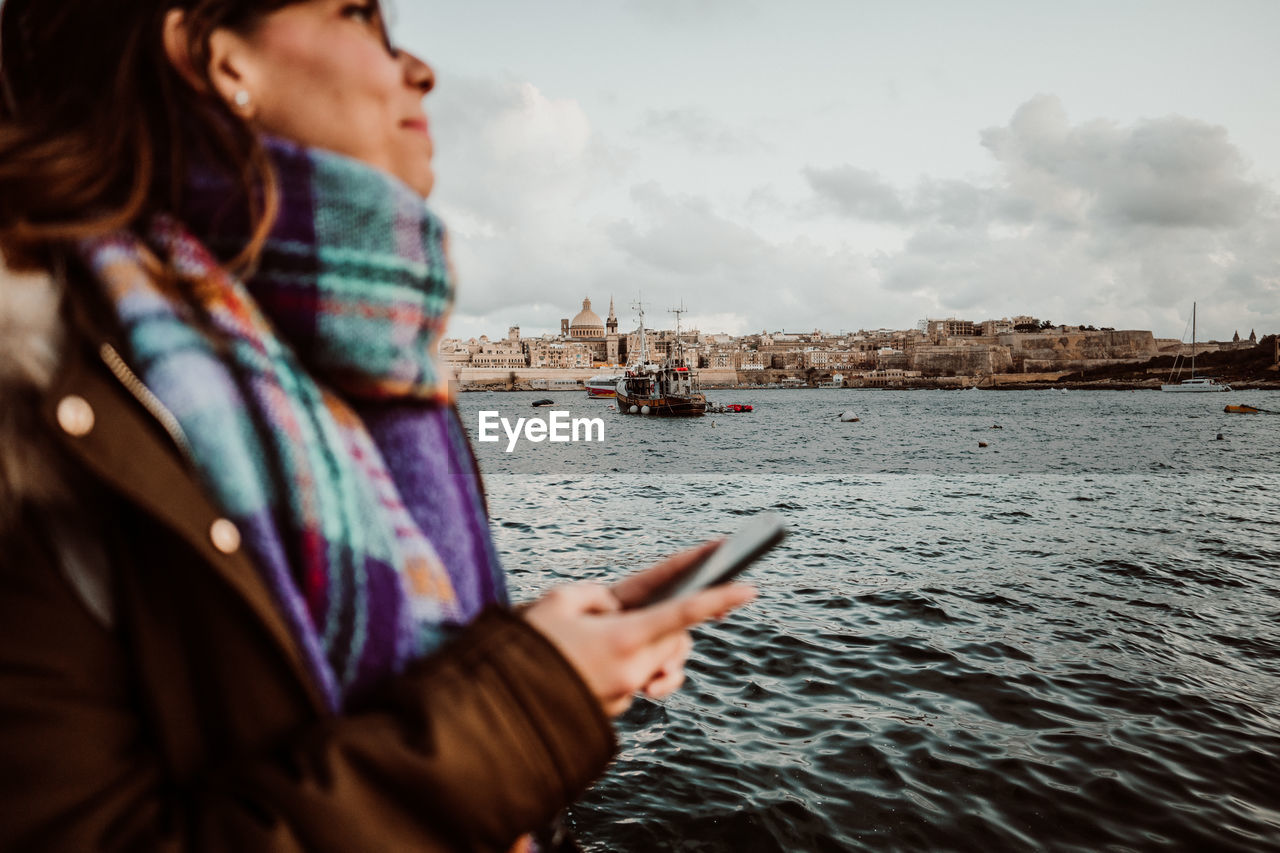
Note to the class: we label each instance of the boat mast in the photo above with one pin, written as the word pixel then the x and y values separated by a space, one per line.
pixel 679 341
pixel 638 305
pixel 1193 340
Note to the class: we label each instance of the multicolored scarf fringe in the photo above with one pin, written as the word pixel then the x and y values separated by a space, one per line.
pixel 313 406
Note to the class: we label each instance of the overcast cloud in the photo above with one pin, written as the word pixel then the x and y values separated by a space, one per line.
pixel 559 185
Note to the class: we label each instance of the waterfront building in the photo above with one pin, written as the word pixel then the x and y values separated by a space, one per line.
pixel 889 376
pixel 501 355
pixel 815 358
pixel 556 354
pixel 455 357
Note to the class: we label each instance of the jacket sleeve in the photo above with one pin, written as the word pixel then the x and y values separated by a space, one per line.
pixel 467 750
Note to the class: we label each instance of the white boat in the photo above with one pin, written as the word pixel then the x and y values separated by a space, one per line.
pixel 1193 385
pixel 1198 386
pixel 603 385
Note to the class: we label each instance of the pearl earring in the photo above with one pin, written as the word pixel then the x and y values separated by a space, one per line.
pixel 242 99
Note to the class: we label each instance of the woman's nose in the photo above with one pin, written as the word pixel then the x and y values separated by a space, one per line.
pixel 417 73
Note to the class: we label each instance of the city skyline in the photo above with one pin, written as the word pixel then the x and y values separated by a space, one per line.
pixel 1104 163
pixel 935 348
pixel 527 331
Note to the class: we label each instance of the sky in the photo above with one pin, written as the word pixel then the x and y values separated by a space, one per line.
pixel 850 165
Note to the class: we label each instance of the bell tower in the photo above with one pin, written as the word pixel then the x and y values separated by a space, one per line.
pixel 611 324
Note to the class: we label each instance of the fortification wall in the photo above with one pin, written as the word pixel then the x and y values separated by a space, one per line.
pixel 1078 350
pixel 969 360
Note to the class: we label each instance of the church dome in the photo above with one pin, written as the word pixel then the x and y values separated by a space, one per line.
pixel 587 324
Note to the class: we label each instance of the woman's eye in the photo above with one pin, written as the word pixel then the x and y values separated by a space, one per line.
pixel 370 15
pixel 365 13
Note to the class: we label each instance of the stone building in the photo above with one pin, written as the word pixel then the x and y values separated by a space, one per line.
pixel 549 353
pixel 950 328
pixel 599 336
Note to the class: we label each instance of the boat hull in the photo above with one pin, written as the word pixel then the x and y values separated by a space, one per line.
pixel 693 406
pixel 1194 389
pixel 603 385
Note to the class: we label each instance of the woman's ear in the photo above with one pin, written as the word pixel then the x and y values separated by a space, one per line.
pixel 230 63
pixel 177 47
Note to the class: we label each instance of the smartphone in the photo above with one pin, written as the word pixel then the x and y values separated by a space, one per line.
pixel 756 538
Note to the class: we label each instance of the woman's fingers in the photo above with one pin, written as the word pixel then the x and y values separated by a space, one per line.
pixel 584 597
pixel 619 653
pixel 635 590
pixel 649 624
pixel 670 676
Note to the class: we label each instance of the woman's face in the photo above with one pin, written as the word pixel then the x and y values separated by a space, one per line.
pixel 322 73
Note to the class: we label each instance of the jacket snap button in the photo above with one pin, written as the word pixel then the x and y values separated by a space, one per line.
pixel 75 416
pixel 225 536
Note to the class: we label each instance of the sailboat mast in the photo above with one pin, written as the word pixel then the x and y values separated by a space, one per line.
pixel 1193 340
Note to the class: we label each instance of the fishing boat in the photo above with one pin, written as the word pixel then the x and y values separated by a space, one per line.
pixel 603 385
pixel 665 389
pixel 1193 385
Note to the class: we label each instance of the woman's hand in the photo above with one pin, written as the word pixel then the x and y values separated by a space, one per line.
pixel 635 590
pixel 620 652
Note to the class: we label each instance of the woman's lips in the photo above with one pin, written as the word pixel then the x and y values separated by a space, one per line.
pixel 417 124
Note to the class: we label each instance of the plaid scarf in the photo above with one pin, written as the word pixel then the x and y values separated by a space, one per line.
pixel 313 406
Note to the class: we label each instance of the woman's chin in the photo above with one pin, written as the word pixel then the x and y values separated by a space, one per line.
pixel 421 180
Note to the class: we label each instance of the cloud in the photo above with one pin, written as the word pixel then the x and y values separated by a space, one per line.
pixel 695 129
pixel 520 180
pixel 857 193
pixel 684 235
pixel 681 247
pixel 502 145
pixel 1172 172
pixel 1091 222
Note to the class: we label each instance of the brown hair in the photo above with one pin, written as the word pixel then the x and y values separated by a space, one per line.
pixel 97 128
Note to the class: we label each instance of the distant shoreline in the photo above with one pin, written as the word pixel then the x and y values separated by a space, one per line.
pixel 1236 387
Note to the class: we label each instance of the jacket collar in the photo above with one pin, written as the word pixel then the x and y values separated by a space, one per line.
pixel 62 394
pixel 31 340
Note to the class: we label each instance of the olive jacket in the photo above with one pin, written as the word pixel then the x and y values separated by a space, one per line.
pixel 151 696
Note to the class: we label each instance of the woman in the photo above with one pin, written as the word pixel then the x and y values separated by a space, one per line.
pixel 248 597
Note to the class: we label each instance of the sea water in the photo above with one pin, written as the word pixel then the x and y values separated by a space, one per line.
pixel 1068 639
